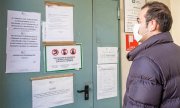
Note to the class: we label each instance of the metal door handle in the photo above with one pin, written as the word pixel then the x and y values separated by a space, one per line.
pixel 85 91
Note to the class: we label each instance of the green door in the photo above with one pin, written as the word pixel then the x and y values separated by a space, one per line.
pixel 105 34
pixel 96 25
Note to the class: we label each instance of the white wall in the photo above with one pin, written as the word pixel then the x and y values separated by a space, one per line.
pixel 125 64
pixel 175 8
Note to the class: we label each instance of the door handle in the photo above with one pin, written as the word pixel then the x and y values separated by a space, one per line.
pixel 85 91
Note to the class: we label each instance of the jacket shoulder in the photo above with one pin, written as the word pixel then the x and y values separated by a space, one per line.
pixel 146 68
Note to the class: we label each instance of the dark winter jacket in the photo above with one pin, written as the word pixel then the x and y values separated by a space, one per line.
pixel 154 76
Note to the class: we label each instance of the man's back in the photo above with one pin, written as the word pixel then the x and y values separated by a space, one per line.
pixel 167 57
pixel 154 77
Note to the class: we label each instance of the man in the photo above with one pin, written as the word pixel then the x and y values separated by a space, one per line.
pixel 154 76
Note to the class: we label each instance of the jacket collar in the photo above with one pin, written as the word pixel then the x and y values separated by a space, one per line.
pixel 164 37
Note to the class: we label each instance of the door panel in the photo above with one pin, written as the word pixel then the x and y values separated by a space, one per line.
pixel 16 88
pixel 95 24
pixel 2 53
pixel 83 35
pixel 105 34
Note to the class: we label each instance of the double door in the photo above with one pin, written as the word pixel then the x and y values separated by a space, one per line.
pixel 96 25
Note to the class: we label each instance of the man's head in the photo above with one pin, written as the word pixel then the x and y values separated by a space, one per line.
pixel 154 18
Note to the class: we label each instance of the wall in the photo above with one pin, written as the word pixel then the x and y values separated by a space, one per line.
pixel 176 22
pixel 125 64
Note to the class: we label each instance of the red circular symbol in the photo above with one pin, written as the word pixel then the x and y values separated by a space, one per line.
pixel 64 51
pixel 73 51
pixel 55 52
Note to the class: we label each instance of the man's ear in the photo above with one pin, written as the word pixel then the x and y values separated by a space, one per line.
pixel 153 25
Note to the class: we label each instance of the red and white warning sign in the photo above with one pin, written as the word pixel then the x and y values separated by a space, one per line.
pixel 64 51
pixel 73 51
pixel 55 52
pixel 63 57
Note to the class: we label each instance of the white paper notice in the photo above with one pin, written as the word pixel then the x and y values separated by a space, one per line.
pixel 132 9
pixel 23 61
pixel 23 31
pixel 107 55
pixel 106 81
pixel 59 23
pixel 52 92
pixel 63 57
pixel 23 42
